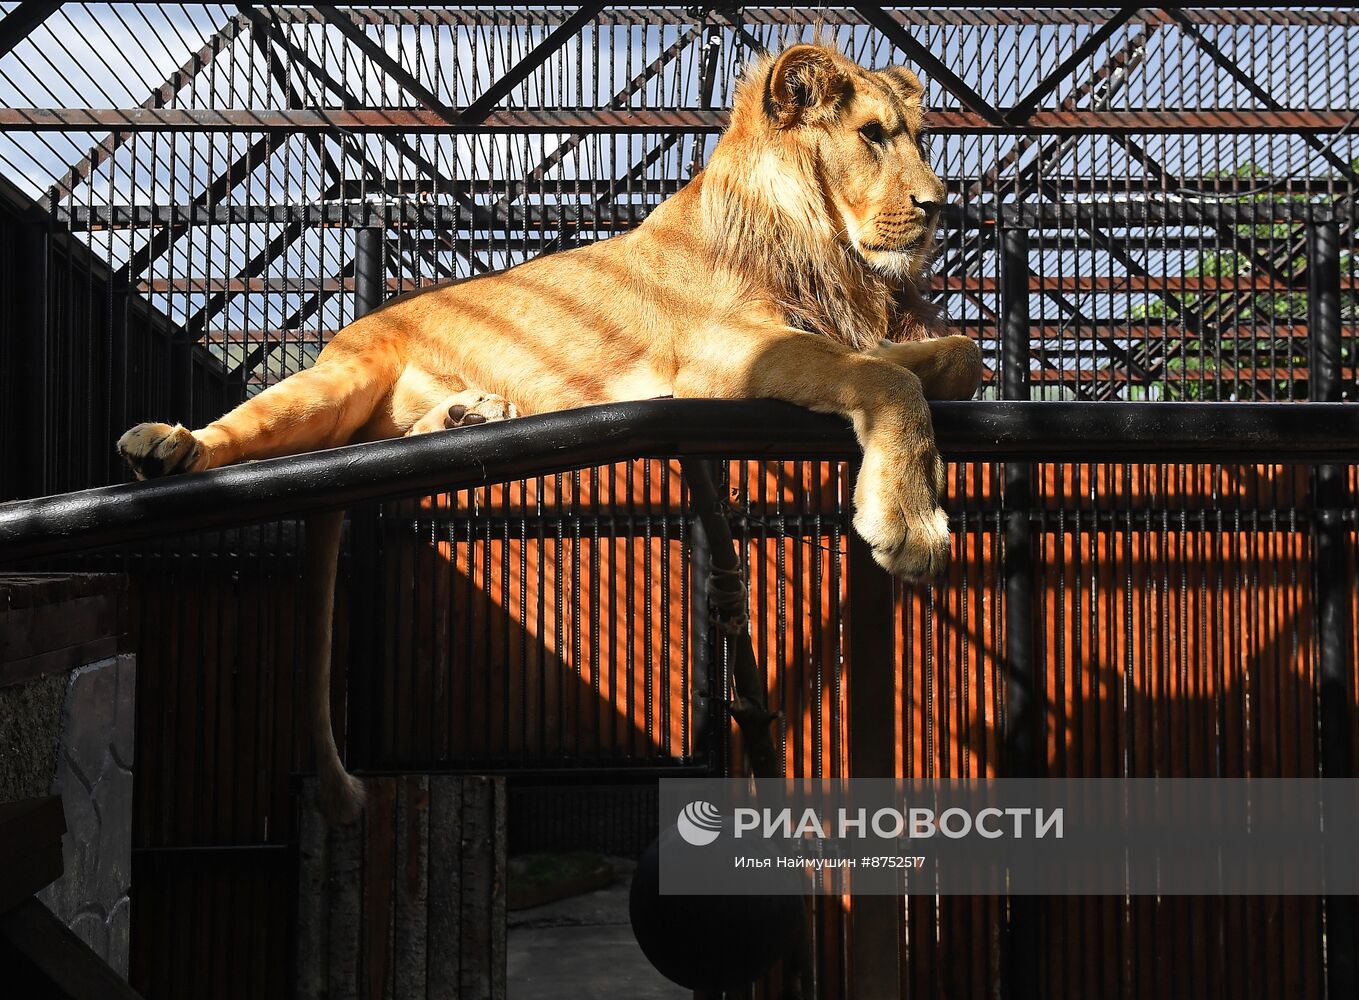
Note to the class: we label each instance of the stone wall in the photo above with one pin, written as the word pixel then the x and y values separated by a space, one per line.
pixel 94 780
pixel 67 697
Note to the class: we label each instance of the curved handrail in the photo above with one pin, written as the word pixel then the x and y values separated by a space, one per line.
pixel 574 439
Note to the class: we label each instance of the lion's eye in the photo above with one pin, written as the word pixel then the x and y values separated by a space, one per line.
pixel 873 133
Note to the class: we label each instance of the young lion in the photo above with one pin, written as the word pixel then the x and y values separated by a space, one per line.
pixel 788 268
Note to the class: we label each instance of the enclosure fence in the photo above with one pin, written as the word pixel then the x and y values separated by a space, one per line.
pixel 1146 205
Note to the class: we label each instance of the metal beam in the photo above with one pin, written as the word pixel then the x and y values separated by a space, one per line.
pixel 1116 284
pixel 1222 189
pixel 1118 251
pixel 389 64
pixel 1023 698
pixel 428 170
pixel 1159 362
pixel 516 188
pixel 197 323
pixel 266 28
pixel 1099 90
pixel 19 23
pixel 1255 89
pixel 161 96
pixel 1333 624
pixel 342 281
pixel 1028 104
pixel 814 15
pixel 480 109
pixel 933 66
pixel 218 188
pixel 1062 219
pixel 1223 121
pixel 707 83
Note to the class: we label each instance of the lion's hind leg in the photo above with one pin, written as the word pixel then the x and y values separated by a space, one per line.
pixel 464 409
pixel 321 407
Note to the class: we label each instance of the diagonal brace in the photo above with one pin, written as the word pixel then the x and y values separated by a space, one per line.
pixel 481 108
pixel 934 68
pixel 1255 90
pixel 19 23
pixel 1028 104
pixel 384 59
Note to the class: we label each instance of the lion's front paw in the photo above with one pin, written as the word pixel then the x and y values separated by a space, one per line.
pixel 897 512
pixel 152 450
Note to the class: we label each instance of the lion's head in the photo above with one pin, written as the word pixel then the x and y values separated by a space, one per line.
pixel 822 181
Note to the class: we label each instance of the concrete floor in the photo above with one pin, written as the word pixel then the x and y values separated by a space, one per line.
pixel 583 948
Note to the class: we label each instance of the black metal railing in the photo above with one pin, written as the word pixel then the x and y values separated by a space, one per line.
pixel 573 439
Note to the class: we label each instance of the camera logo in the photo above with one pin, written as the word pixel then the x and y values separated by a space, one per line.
pixel 699 823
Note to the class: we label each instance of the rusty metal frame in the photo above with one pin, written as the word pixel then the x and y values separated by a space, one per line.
pixel 244 165
pixel 1256 90
pixel 353 32
pixel 260 35
pixel 263 28
pixel 811 15
pixel 1101 87
pixel 570 145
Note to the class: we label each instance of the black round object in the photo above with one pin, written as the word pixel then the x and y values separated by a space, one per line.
pixel 708 942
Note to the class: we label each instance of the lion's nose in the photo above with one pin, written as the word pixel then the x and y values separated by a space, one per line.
pixel 928 207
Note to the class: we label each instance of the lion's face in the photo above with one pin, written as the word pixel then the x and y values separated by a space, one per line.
pixel 865 131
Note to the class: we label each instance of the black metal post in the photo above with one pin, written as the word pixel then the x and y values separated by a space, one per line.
pixel 369 288
pixel 724 595
pixel 1021 747
pixel 1019 737
pixel 872 736
pixel 1333 627
pixel 365 547
pixel 730 606
pixel 31 340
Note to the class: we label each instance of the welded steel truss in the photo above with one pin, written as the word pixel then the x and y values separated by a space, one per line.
pixel 352 84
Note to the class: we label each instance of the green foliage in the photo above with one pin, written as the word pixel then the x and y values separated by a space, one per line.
pixel 1216 360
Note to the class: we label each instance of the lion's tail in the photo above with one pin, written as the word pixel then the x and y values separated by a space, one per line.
pixel 340 795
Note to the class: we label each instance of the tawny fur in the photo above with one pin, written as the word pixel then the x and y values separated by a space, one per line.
pixel 788 268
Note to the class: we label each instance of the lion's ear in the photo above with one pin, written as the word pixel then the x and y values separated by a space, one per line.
pixel 905 83
pixel 803 81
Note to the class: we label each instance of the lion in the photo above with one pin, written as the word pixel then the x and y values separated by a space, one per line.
pixel 789 268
